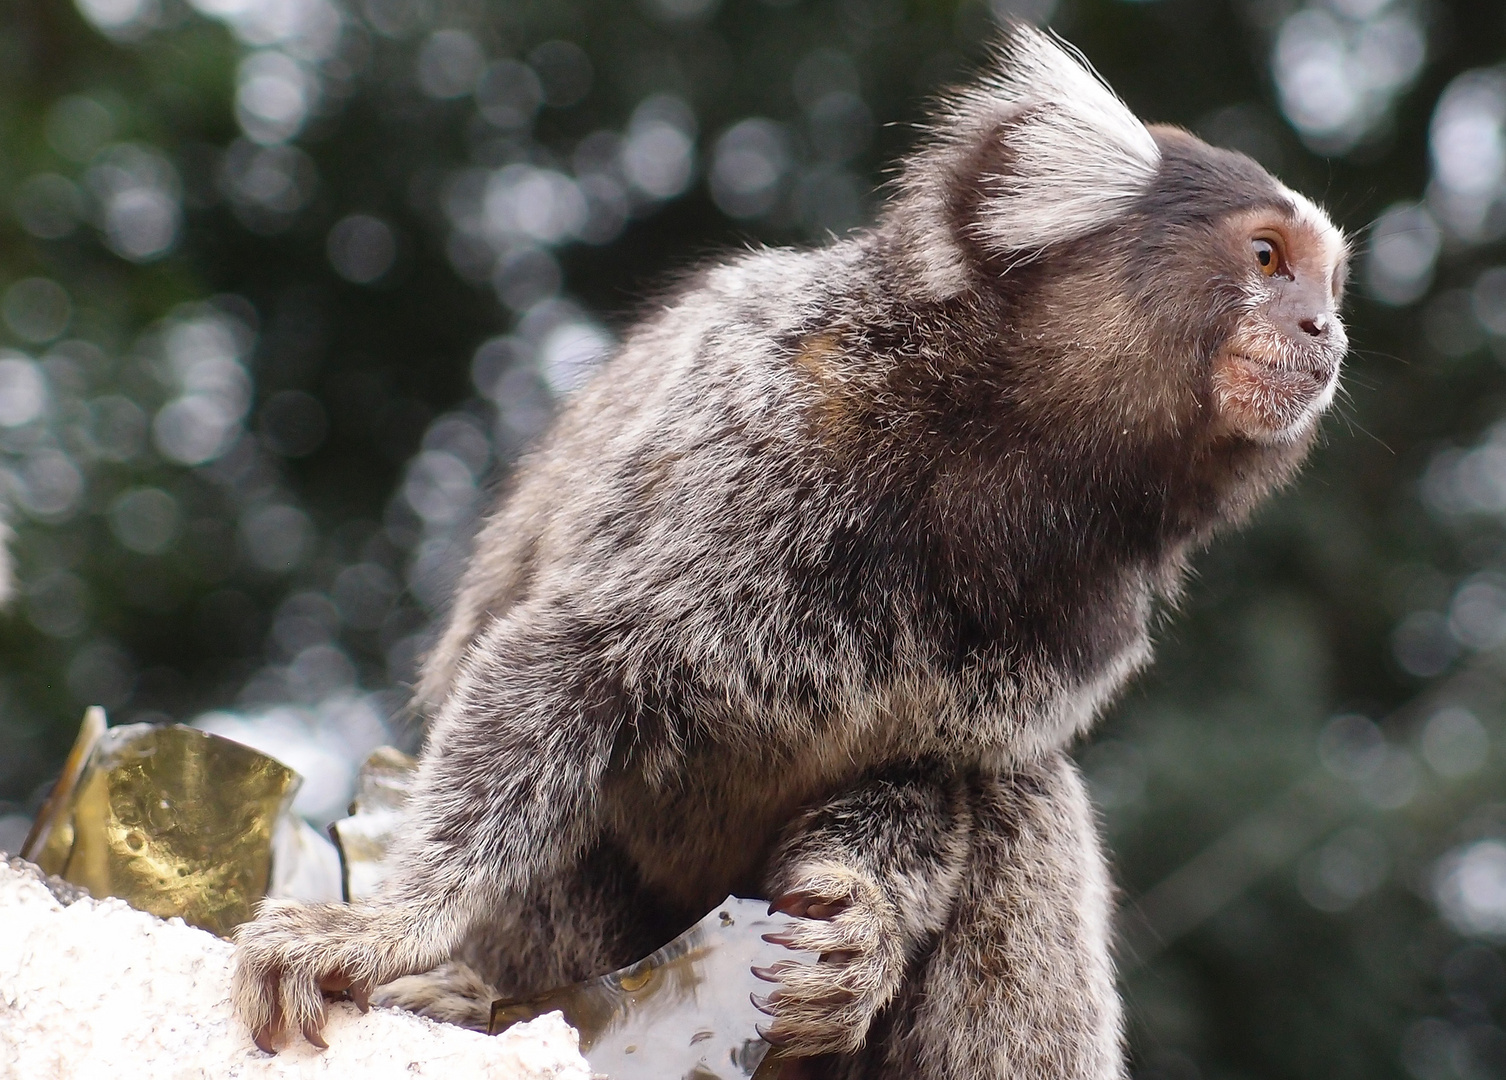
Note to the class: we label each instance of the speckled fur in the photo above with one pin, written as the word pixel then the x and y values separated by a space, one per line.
pixel 810 588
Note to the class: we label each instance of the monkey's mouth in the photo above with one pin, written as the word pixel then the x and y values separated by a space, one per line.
pixel 1297 379
pixel 1270 397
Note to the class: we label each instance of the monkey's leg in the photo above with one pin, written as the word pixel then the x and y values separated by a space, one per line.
pixel 872 872
pixel 506 797
pixel 593 918
pixel 1020 984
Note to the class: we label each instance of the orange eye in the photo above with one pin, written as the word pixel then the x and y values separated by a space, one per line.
pixel 1267 255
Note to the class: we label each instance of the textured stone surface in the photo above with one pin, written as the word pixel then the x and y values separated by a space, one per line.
pixel 98 989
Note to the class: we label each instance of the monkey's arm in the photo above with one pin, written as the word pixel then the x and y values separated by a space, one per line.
pixel 505 796
pixel 873 871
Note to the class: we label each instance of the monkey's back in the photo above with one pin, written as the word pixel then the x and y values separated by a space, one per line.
pixel 748 593
pixel 682 517
pixel 676 481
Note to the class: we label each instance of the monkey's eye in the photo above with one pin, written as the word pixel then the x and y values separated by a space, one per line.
pixel 1268 256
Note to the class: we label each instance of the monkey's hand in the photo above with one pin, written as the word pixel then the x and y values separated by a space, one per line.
pixel 827 1006
pixel 293 955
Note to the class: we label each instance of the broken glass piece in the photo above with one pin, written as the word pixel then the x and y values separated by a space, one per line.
pixel 51 835
pixel 305 865
pixel 382 786
pixel 683 1012
pixel 170 819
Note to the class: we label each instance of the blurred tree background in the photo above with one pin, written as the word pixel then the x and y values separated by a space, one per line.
pixel 286 285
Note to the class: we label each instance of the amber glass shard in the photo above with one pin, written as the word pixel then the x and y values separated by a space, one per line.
pixel 683 1012
pixel 175 821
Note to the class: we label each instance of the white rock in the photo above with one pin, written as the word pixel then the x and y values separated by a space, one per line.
pixel 98 989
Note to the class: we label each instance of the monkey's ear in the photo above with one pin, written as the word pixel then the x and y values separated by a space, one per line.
pixel 1074 156
pixel 1038 151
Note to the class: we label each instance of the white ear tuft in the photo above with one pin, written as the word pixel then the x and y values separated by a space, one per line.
pixel 1077 156
pixel 1060 155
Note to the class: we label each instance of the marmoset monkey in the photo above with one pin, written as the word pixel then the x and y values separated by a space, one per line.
pixel 807 593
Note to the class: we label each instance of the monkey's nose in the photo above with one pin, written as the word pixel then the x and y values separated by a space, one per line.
pixel 1317 326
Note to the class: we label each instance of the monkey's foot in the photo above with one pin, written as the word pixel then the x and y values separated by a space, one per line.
pixel 452 993
pixel 826 1007
pixel 293 956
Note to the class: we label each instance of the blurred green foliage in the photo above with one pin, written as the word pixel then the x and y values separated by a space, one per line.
pixel 287 284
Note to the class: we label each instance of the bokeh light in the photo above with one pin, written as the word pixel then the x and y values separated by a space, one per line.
pixel 1467 139
pixel 1340 66
pixel 449 64
pixel 36 309
pixel 146 520
pixel 138 195
pixel 361 248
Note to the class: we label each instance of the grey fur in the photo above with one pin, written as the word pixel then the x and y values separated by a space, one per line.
pixel 809 589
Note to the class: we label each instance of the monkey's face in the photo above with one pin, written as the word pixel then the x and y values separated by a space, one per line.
pixel 1278 369
pixel 1154 291
pixel 1239 279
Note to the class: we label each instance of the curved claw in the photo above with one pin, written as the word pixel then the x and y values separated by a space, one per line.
pixel 785 903
pixel 311 1033
pixel 780 939
pixel 767 974
pixel 808 905
pixel 265 1039
pixel 341 987
pixel 765 1034
pixel 764 1005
